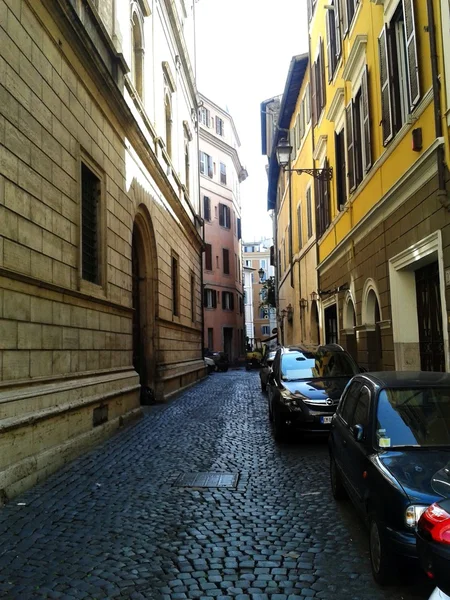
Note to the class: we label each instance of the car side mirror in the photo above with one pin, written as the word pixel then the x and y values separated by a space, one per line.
pixel 358 432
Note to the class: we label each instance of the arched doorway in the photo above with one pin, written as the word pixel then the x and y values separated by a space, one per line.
pixel 314 325
pixel 144 305
pixel 374 343
pixel 349 328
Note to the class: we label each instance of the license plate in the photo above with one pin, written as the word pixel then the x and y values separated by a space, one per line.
pixel 325 420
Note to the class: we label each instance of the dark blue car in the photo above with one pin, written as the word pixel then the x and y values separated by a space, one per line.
pixel 390 452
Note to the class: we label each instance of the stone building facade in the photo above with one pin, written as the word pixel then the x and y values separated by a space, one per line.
pixel 100 242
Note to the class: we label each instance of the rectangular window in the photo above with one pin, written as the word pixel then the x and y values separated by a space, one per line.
pixel 220 126
pixel 239 228
pixel 333 38
pixel 318 85
pixel 175 286
pixel 299 226
pixel 349 12
pixel 399 70
pixel 309 212
pixel 204 116
pixel 224 216
pixel 248 263
pixel 90 221
pixel 322 197
pixel 359 149
pixel 265 329
pixel 227 301
pixel 209 298
pixel 210 338
pixel 341 169
pixel 226 261
pixel 206 164
pixel 206 208
pixel 192 297
pixel 223 173
pixel 208 257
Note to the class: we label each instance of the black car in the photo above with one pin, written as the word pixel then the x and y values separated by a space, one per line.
pixel 305 385
pixel 389 448
pixel 433 541
pixel 266 368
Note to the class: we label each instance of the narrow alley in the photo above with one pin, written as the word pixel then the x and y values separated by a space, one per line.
pixel 116 523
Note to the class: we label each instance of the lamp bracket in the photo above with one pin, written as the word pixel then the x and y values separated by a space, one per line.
pixel 325 174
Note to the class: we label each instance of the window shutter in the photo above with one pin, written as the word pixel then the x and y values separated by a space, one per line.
pixel 231 301
pixel 411 53
pixel 313 94
pixel 318 197
pixel 322 79
pixel 350 148
pixel 325 184
pixel 205 297
pixel 309 7
pixel 208 257
pixel 228 211
pixel 239 229
pixel 214 298
pixel 206 208
pixel 221 214
pixel 309 212
pixel 337 27
pixel 345 17
pixel 224 300
pixel 299 225
pixel 367 158
pixel 386 103
pixel 329 46
pixel 226 261
pixel 210 167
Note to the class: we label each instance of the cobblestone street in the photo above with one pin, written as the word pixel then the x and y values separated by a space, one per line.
pixel 114 525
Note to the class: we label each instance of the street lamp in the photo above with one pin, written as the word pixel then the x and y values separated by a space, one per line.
pixel 261 273
pixel 284 151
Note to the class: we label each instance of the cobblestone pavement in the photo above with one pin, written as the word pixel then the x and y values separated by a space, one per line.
pixel 113 524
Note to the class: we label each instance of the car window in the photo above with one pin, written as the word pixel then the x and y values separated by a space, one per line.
pixel 361 413
pixel 304 364
pixel 348 404
pixel 415 416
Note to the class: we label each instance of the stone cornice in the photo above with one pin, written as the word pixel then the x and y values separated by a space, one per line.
pixel 337 104
pixel 226 149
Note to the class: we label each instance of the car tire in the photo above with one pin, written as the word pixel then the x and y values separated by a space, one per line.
pixel 381 560
pixel 263 387
pixel 269 405
pixel 279 425
pixel 337 486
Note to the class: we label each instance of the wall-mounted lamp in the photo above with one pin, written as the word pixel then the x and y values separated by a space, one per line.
pixel 314 296
pixel 289 312
pixel 303 303
pixel 283 152
pixel 261 273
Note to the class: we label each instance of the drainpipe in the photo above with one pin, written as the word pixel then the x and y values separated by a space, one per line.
pixel 291 258
pixel 440 152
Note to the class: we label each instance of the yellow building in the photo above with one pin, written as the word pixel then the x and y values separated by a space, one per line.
pixel 382 223
pixel 291 196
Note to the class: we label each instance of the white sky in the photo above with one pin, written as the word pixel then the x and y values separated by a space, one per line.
pixel 244 48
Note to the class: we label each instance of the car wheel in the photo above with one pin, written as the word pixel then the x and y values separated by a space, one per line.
pixel 337 487
pixel 269 404
pixel 263 386
pixel 381 558
pixel 279 425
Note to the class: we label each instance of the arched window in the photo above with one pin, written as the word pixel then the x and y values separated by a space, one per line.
pixel 137 54
pixel 168 111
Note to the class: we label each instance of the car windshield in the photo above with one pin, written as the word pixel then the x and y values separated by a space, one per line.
pixel 296 365
pixel 417 417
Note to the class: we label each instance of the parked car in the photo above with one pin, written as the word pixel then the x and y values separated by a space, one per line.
pixel 305 385
pixel 389 447
pixel 220 359
pixel 433 543
pixel 266 368
pixel 210 364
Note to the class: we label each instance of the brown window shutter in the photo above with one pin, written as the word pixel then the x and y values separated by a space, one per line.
pixel 214 298
pixel 208 257
pixel 386 102
pixel 325 184
pixel 221 214
pixel 328 17
pixel 345 17
pixel 319 207
pixel 231 301
pixel 226 261
pixel 350 147
pixel 411 53
pixel 367 158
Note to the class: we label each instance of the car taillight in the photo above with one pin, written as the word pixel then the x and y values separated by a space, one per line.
pixel 436 522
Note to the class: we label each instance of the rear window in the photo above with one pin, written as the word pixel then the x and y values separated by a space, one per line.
pixel 296 365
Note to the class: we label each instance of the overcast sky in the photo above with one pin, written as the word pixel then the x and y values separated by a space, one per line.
pixel 244 48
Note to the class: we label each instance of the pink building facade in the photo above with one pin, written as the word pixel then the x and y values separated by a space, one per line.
pixel 221 174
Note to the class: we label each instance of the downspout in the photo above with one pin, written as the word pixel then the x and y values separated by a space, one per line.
pixel 440 152
pixel 291 258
